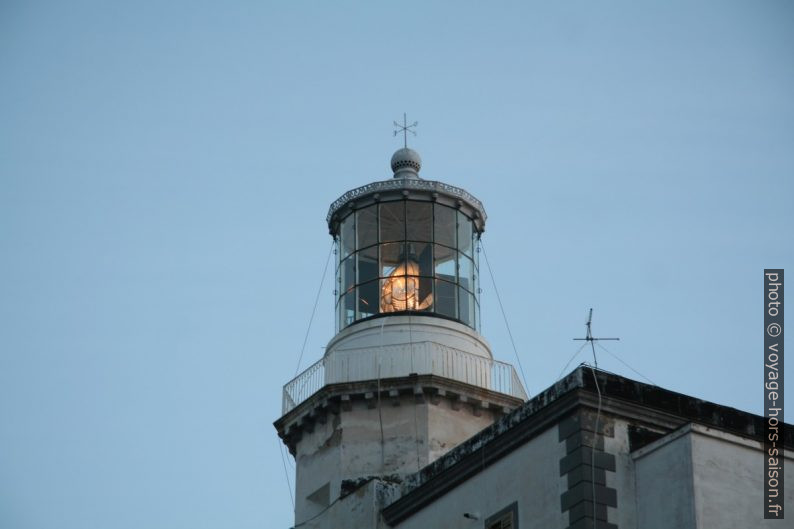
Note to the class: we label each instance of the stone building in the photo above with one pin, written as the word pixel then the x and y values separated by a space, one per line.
pixel 408 421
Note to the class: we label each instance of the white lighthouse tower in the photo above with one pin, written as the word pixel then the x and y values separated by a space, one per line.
pixel 407 376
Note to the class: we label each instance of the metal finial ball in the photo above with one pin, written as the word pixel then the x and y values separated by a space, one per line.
pixel 406 158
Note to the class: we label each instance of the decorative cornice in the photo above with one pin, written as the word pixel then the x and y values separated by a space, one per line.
pixel 334 397
pixel 408 184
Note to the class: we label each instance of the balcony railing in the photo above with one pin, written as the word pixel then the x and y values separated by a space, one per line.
pixel 426 358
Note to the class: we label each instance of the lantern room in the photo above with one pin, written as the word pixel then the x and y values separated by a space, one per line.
pixel 407 245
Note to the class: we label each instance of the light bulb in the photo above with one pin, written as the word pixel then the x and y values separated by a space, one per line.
pixel 401 290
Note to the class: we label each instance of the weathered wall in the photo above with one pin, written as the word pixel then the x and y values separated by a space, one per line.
pixel 624 478
pixel 348 445
pixel 451 422
pixel 528 475
pixel 700 478
pixel 317 463
pixel 665 497
pixel 728 478
pixel 692 478
pixel 359 510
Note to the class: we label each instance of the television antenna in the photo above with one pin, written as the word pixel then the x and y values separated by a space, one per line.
pixel 589 337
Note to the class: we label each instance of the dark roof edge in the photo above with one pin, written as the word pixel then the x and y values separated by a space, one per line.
pixel 690 409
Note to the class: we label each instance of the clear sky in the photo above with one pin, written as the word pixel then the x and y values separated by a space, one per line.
pixel 166 169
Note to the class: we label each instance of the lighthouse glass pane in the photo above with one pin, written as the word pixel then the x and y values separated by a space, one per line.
pixel 422 253
pixel 367 226
pixel 348 309
pixel 367 267
pixel 419 221
pixel 347 236
pixel 444 225
pixel 445 296
pixel 368 299
pixel 466 273
pixel 475 287
pixel 392 259
pixel 348 275
pixel 419 290
pixel 464 234
pixel 337 277
pixel 426 296
pixel 444 263
pixel 392 221
pixel 466 307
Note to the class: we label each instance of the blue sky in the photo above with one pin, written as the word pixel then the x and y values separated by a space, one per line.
pixel 166 169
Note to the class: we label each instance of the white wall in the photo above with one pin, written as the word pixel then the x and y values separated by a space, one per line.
pixel 529 475
pixel 729 487
pixel 623 480
pixel 701 478
pixel 663 476
pixel 348 445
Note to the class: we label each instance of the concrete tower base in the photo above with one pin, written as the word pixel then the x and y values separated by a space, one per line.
pixel 348 433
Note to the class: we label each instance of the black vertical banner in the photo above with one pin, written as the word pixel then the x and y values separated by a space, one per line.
pixel 773 394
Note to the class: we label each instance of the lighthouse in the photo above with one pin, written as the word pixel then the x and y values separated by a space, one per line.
pixel 407 377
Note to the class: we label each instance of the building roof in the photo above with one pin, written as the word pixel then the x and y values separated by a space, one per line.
pixel 643 403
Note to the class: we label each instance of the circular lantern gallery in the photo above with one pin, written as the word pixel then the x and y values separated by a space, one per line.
pixel 407 245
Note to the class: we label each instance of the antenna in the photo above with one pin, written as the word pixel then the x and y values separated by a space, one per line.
pixel 589 337
pixel 405 128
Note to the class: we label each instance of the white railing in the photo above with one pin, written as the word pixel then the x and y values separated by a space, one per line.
pixel 425 358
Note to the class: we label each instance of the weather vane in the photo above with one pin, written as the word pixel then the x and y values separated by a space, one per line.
pixel 405 128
